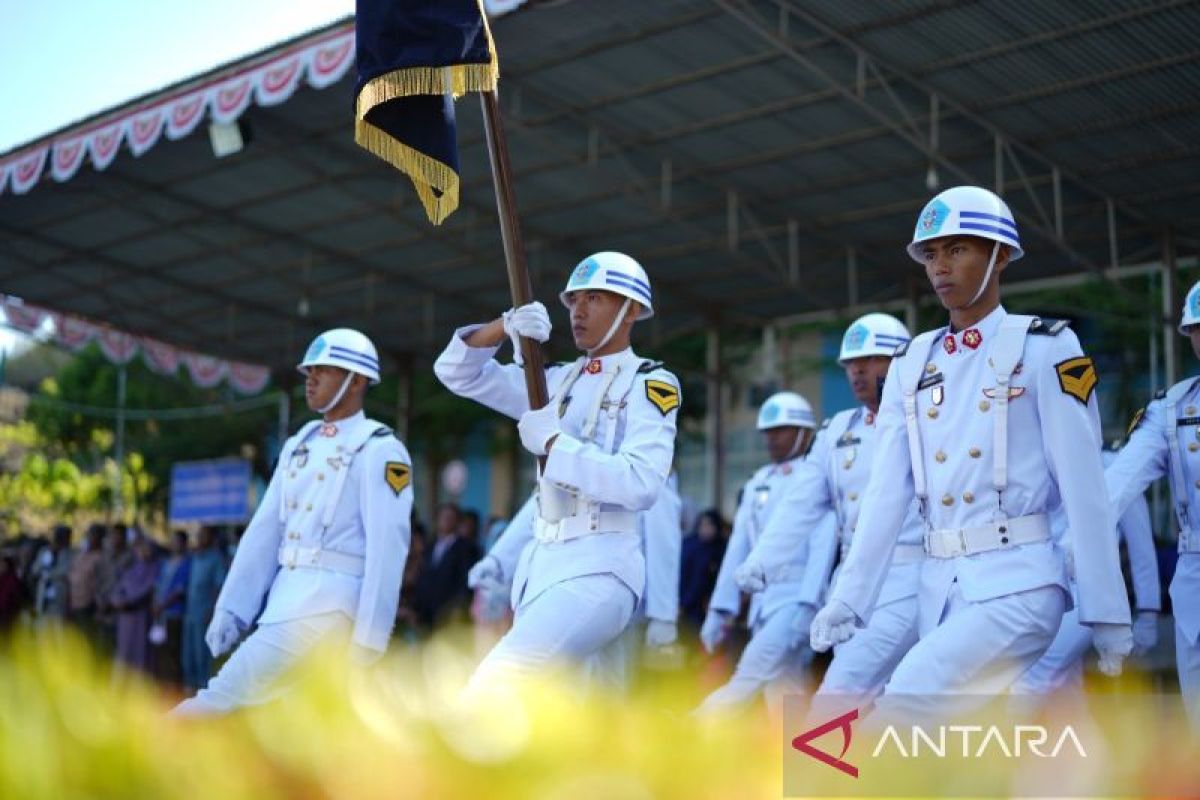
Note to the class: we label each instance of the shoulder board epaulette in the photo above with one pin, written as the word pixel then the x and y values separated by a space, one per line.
pixel 825 422
pixel 650 366
pixel 382 430
pixel 1160 394
pixel 1048 327
pixel 901 349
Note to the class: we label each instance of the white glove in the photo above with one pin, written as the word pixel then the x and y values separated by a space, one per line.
pixel 660 633
pixel 832 625
pixel 715 629
pixel 801 625
pixel 530 321
pixel 538 427
pixel 750 576
pixel 1113 642
pixel 223 632
pixel 1145 632
pixel 486 574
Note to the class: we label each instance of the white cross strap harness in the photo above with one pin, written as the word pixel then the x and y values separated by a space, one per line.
pixel 293 556
pixel 1005 354
pixel 1189 534
pixel 563 513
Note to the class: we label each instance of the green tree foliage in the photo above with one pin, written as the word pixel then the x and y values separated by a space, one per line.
pixel 88 440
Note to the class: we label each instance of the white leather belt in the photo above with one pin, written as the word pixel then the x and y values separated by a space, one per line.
pixel 584 525
pixel 1189 541
pixel 954 542
pixel 293 557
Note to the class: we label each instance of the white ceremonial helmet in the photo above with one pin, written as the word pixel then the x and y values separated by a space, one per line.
pixel 783 409
pixel 966 211
pixel 1191 309
pixel 345 348
pixel 612 272
pixel 872 335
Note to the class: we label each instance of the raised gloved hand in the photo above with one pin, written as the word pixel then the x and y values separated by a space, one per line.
pixel 1145 632
pixel 487 574
pixel 832 625
pixel 530 321
pixel 750 576
pixel 538 427
pixel 223 632
pixel 715 629
pixel 801 627
pixel 660 633
pixel 1113 642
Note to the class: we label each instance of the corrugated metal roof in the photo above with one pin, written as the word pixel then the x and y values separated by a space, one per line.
pixel 805 123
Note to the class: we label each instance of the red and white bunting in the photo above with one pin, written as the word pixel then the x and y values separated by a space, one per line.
pixel 24 317
pixel 248 378
pixel 73 333
pixel 206 371
pixel 27 169
pixel 323 60
pixel 66 156
pixel 104 143
pixel 142 130
pixel 118 347
pixel 159 356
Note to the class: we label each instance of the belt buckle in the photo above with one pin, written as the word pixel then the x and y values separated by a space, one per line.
pixel 962 541
pixel 289 557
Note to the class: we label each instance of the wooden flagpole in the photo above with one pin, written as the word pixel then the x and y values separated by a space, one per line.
pixel 514 247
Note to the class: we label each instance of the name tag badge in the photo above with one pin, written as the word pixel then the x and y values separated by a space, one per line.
pixel 760 495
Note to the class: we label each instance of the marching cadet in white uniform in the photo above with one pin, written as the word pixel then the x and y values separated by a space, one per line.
pixel 608 435
pixel 1165 440
pixel 777 653
pixel 1061 667
pixel 990 423
pixel 834 479
pixel 326 547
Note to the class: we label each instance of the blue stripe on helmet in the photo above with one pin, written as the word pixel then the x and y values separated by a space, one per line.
pixel 348 353
pixel 624 283
pixel 990 217
pixel 977 226
pixel 882 339
pixel 355 358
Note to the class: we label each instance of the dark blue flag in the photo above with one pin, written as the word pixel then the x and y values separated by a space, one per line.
pixel 414 58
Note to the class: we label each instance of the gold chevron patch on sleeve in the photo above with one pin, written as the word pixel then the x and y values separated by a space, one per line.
pixel 397 474
pixel 663 395
pixel 1077 377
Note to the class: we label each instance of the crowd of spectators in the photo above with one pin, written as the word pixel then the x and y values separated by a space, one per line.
pixel 145 604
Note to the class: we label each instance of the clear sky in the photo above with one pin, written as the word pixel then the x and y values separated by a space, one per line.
pixel 64 60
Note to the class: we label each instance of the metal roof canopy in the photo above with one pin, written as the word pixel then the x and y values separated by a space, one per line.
pixel 761 159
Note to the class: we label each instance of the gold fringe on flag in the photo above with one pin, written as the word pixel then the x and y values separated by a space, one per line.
pixel 435 182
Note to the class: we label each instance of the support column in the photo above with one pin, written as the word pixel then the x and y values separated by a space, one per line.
pixel 1170 311
pixel 715 455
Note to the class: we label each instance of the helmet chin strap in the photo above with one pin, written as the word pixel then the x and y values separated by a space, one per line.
pixel 337 398
pixel 612 329
pixel 795 445
pixel 987 277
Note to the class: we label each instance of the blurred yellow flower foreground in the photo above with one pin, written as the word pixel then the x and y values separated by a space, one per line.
pixel 396 730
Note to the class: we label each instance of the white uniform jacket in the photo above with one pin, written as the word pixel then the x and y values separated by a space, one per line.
pixel 1153 452
pixel 1053 457
pixel 793 580
pixel 305 558
pixel 621 467
pixel 833 479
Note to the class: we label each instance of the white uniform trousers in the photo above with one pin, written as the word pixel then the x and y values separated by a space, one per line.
pixel 568 622
pixel 862 666
pixel 775 661
pixel 976 649
pixel 1061 667
pixel 256 671
pixel 1187 661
